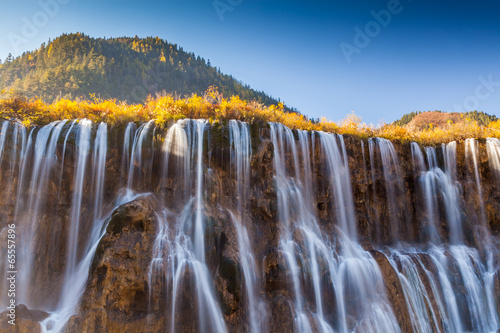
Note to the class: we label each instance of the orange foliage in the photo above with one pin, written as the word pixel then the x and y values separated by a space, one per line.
pixel 213 106
pixel 436 135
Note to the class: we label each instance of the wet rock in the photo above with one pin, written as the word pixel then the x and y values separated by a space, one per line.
pixel 282 318
pixel 394 291
pixel 27 321
pixel 116 297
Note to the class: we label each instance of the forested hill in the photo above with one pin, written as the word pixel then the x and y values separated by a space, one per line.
pixel 127 69
pixel 439 118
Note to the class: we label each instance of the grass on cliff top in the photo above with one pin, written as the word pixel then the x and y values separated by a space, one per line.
pixel 213 106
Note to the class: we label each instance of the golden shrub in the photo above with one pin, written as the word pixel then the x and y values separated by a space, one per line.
pixel 213 106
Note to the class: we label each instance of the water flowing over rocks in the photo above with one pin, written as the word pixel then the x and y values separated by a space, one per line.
pixel 200 227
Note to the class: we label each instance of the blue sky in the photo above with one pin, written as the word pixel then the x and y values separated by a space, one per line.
pixel 421 55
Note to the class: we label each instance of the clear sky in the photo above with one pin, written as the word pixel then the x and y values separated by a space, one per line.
pixel 380 59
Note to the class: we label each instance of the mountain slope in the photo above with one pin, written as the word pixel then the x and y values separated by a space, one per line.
pixel 128 69
pixel 439 118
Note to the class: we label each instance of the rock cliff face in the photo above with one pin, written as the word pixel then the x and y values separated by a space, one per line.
pixel 209 228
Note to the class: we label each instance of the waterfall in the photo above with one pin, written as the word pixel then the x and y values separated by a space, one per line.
pixel 3 136
pixel 422 314
pixel 176 147
pixel 99 167
pixel 17 130
pixel 425 304
pixel 248 265
pixel 460 293
pixel 68 133
pixel 397 213
pixel 493 149
pixel 83 147
pixel 136 152
pixel 338 167
pixel 241 153
pixel 180 248
pixel 77 264
pixel 376 210
pixel 418 159
pixel 249 229
pixel 352 273
pixel 439 190
pixel 190 250
pixel 356 268
pixel 463 301
pixel 128 136
pixel 43 162
pixel 40 167
pixel 471 152
pixel 288 196
pixel 9 192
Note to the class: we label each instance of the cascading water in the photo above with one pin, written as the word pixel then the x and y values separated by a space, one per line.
pixel 418 159
pixel 185 243
pixel 493 149
pixel 43 162
pixel 63 182
pixel 241 153
pixel 9 192
pixel 422 314
pixel 68 133
pixel 136 153
pixel 78 263
pixel 471 152
pixel 288 196
pixel 83 147
pixel 356 268
pixel 439 189
pixel 129 135
pixel 5 126
pixel 351 271
pixel 376 210
pixel 397 213
pixel 40 168
pixel 447 287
